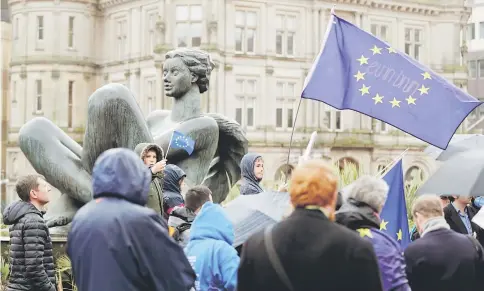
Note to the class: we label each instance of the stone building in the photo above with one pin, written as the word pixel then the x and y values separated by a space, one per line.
pixel 63 50
pixel 5 46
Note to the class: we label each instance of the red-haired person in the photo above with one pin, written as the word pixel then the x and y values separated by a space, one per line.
pixel 308 251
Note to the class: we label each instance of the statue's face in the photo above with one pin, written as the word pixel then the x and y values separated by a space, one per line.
pixel 177 77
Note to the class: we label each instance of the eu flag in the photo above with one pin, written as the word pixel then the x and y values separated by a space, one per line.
pixel 394 214
pixel 181 141
pixel 357 71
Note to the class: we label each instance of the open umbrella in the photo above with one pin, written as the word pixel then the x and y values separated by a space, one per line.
pixel 463 174
pixel 459 143
pixel 251 213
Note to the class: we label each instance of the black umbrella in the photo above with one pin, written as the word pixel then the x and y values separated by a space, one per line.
pixel 459 143
pixel 463 174
pixel 251 213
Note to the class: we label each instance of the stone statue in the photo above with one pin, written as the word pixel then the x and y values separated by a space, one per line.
pixel 115 120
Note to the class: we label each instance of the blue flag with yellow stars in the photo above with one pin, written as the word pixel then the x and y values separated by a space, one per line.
pixel 357 71
pixel 181 141
pixel 394 214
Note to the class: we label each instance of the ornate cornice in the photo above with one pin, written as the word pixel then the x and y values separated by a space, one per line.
pixel 107 3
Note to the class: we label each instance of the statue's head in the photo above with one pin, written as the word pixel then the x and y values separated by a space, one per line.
pixel 185 67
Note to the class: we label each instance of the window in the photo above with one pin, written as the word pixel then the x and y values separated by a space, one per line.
pixel 472 69
pixel 189 25
pixel 16 27
pixel 70 103
pixel 481 30
pixel 285 34
pixel 245 31
pixel 151 33
pixel 480 68
pixel 413 42
pixel 471 31
pixel 150 96
pixel 285 100
pixel 414 173
pixel 40 27
pixel 121 37
pixel 246 95
pixel 38 95
pixel 331 118
pixel 381 31
pixel 14 91
pixel 70 36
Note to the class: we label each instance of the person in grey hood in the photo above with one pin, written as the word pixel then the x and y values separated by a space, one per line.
pixel 31 260
pixel 252 168
pixel 152 156
pixel 173 180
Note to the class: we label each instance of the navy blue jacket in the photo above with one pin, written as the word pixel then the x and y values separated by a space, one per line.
pixel 115 242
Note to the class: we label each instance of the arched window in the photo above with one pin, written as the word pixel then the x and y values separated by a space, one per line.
pixel 344 162
pixel 414 173
pixel 284 172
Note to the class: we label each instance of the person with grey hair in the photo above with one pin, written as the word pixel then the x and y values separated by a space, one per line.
pixel 442 259
pixel 363 202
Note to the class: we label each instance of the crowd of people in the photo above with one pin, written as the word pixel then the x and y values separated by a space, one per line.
pixel 142 231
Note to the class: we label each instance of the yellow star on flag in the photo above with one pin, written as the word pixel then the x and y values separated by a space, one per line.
pixel 359 76
pixel 424 90
pixel 365 232
pixel 391 50
pixel 378 98
pixel 383 224
pixel 363 60
pixel 399 234
pixel 395 102
pixel 364 90
pixel 376 50
pixel 426 76
pixel 411 100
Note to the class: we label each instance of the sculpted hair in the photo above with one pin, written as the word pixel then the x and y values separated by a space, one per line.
pixel 428 206
pixel 196 197
pixel 198 62
pixel 313 183
pixel 25 184
pixel 369 190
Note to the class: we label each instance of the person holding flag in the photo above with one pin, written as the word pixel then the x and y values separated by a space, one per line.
pixel 364 202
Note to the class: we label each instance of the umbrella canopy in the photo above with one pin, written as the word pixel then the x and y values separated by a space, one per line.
pixel 252 213
pixel 459 143
pixel 463 174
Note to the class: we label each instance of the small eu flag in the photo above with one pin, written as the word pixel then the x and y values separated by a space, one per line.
pixel 357 71
pixel 394 214
pixel 181 141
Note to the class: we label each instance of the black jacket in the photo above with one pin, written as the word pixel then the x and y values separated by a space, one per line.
pixel 316 254
pixel 31 260
pixel 456 224
pixel 443 260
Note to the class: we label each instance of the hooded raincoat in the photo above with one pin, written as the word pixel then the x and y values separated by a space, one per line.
pixel 115 243
pixel 172 189
pixel 250 183
pixel 357 215
pixel 210 250
pixel 155 195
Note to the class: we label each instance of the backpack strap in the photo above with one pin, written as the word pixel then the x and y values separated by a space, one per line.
pixel 476 245
pixel 274 258
pixel 180 229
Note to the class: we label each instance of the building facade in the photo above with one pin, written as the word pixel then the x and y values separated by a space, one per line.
pixel 263 49
pixel 5 48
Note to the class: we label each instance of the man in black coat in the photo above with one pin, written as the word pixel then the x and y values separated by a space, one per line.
pixel 31 261
pixel 459 214
pixel 442 259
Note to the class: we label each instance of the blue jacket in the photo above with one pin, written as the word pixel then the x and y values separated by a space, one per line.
pixel 115 242
pixel 210 250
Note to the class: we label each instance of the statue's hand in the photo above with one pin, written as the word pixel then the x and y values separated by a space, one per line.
pixel 58 221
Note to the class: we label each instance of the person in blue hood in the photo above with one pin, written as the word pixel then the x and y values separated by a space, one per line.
pixel 172 197
pixel 210 250
pixel 252 170
pixel 115 242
